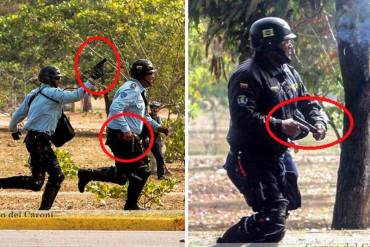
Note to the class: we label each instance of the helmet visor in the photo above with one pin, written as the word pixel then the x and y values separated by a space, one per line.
pixel 290 36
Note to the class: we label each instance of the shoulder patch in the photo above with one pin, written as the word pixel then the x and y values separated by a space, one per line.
pixel 123 94
pixel 244 85
pixel 242 100
pixel 133 85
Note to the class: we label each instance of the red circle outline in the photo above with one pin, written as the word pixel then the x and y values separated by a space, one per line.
pixel 118 69
pixel 128 114
pixel 291 145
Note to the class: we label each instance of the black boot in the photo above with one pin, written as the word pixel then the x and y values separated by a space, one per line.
pixel 84 177
pixel 236 234
pixel 22 182
pixel 49 196
pixel 133 206
pixel 134 189
pixel 104 174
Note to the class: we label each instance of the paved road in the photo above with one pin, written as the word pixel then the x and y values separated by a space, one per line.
pixel 15 238
pixel 313 238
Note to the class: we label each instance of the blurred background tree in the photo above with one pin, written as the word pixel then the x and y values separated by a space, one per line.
pixel 312 21
pixel 39 32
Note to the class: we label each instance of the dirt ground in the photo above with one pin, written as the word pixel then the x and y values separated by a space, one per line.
pixel 312 238
pixel 86 153
pixel 215 204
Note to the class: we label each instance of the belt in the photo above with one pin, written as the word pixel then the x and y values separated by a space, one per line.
pixel 34 132
pixel 236 151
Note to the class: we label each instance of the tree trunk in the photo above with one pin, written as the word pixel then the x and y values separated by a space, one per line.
pixel 352 197
pixel 107 102
pixel 86 103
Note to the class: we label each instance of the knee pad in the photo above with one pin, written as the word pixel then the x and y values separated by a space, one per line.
pixel 121 179
pixel 38 182
pixel 56 179
pixel 146 174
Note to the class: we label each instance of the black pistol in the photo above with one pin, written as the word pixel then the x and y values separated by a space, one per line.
pixel 312 128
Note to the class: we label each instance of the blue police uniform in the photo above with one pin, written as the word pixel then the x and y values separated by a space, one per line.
pixel 129 97
pixel 43 115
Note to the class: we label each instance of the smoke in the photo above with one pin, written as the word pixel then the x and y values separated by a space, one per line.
pixel 353 22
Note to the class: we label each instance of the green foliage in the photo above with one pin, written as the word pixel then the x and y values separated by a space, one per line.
pixel 103 190
pixel 152 192
pixel 211 20
pixel 175 142
pixel 205 91
pixel 68 166
pixel 39 33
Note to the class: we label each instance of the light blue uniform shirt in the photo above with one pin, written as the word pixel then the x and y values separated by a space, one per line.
pixel 128 99
pixel 43 113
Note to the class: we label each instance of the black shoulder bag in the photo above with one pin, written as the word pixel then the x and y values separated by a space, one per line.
pixel 64 131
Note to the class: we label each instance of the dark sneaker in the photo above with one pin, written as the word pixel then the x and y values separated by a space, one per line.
pixel 83 179
pixel 133 207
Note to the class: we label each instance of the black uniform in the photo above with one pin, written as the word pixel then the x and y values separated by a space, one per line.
pixel 255 163
pixel 254 89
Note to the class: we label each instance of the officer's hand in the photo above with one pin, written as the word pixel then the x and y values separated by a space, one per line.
pixel 292 128
pixel 16 135
pixel 98 70
pixel 321 132
pixel 127 136
pixel 163 130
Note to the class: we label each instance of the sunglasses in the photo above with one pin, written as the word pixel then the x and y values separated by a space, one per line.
pixel 57 78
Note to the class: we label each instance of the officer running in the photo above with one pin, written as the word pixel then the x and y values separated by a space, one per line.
pixel 123 136
pixel 157 144
pixel 255 163
pixel 43 115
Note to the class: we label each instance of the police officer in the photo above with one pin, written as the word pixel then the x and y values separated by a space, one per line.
pixel 123 136
pixel 255 163
pixel 43 107
pixel 157 145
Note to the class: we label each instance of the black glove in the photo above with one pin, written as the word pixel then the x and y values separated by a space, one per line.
pixel 98 70
pixel 321 131
pixel 16 135
pixel 163 130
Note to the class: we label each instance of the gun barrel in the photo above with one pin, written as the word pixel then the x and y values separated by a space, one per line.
pixel 312 128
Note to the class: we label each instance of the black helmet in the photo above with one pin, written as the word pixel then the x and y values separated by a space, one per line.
pixel 267 33
pixel 48 74
pixel 141 67
pixel 154 104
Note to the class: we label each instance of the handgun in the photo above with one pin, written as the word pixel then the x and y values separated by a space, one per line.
pixel 312 128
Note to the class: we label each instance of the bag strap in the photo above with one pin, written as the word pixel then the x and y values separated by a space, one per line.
pixel 33 97
pixel 49 97
pixel 40 92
